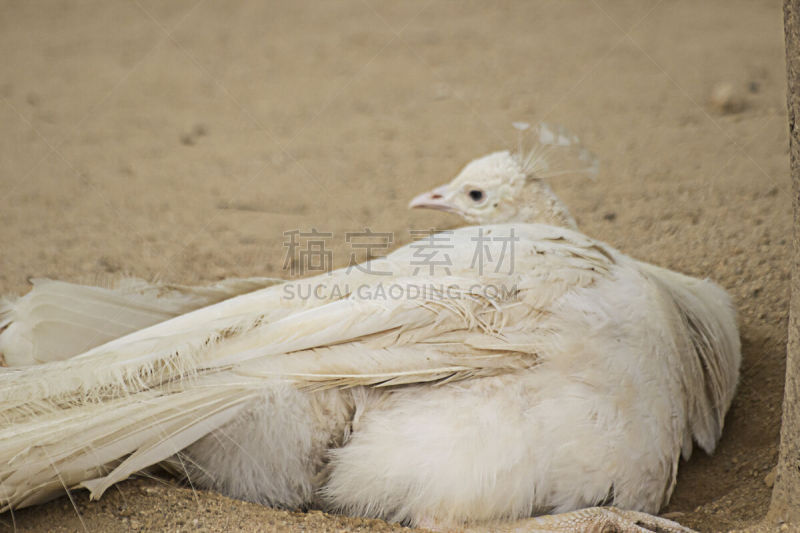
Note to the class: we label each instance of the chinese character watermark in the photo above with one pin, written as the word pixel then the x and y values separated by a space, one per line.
pixel 367 241
pixel 483 252
pixel 427 249
pixel 314 257
pixel 307 252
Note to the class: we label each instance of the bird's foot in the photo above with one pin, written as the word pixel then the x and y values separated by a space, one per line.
pixel 589 520
pixel 599 520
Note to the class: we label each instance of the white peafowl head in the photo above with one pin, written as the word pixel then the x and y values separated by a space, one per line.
pixel 513 186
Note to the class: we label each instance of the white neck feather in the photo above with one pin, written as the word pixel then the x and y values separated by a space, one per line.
pixel 540 205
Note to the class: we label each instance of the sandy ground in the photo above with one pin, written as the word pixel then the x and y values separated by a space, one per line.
pixel 179 140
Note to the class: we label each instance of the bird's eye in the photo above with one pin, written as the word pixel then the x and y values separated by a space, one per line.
pixel 476 195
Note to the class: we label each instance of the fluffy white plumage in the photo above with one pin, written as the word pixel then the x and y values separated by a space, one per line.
pixel 581 383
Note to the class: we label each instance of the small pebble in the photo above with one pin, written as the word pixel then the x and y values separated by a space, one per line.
pixel 725 99
pixel 769 479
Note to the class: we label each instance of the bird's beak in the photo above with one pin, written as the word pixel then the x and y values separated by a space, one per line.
pixel 435 199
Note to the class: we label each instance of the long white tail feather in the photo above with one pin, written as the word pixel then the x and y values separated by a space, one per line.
pixel 256 324
pixel 57 320
pixel 114 439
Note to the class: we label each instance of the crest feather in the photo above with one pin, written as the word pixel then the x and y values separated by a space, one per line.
pixel 554 151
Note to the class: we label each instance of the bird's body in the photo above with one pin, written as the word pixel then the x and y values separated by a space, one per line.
pixel 497 446
pixel 567 377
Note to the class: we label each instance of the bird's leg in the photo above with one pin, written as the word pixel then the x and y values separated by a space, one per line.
pixel 590 520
